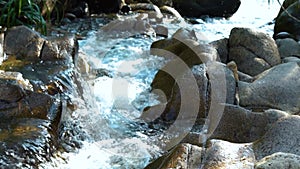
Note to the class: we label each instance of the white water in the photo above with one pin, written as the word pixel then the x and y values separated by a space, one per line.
pixel 116 142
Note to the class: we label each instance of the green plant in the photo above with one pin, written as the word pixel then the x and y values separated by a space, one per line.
pixel 21 12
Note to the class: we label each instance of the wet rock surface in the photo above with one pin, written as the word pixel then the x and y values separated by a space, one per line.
pixel 34 91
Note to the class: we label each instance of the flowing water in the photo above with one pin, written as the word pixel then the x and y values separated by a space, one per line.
pixel 116 137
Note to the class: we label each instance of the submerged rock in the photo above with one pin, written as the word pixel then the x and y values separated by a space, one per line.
pixel 26 142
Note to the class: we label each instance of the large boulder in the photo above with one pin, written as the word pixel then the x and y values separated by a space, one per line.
pixel 252 51
pixel 23 42
pixel 288 48
pixel 240 125
pixel 214 8
pixel 283 137
pixel 276 88
pixel 291 18
pixel 214 83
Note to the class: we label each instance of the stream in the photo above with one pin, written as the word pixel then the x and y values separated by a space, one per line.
pixel 116 138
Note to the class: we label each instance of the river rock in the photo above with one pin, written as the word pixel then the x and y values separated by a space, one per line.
pixel 284 18
pixel 183 44
pixel 288 48
pixel 283 137
pixel 240 125
pixel 276 88
pixel 222 48
pixel 291 59
pixel 279 161
pixel 252 51
pixel 60 48
pixel 23 42
pixel 129 26
pixel 182 156
pixel 214 8
pixel 215 84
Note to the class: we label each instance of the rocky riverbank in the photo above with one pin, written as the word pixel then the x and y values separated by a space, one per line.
pixel 38 83
pixel 243 89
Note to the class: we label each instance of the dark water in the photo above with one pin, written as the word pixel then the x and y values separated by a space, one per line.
pixel 117 140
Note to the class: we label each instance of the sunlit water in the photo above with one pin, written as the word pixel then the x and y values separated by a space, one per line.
pixel 117 138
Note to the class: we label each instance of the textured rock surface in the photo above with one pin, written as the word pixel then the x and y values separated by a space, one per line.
pixel 263 93
pixel 288 48
pixel 222 154
pixel 252 51
pixel 283 136
pixel 244 126
pixel 216 84
pixel 279 161
pixel 23 43
pixel 222 48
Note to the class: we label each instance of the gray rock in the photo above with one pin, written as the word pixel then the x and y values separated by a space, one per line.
pixel 279 161
pixel 276 88
pixel 223 154
pixel 283 137
pixel 252 51
pixel 60 48
pixel 23 43
pixel 129 27
pixel 288 47
pixel 291 59
pixel 215 84
pixel 222 48
pixel 184 45
pixel 240 125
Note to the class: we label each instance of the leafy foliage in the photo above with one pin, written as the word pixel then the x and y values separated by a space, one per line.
pixel 21 12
